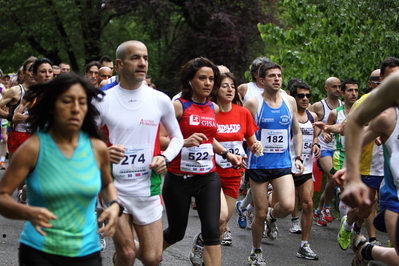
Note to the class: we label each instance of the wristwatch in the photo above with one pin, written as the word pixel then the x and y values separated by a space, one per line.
pixel 167 162
pixel 224 154
pixel 298 158
pixel 121 208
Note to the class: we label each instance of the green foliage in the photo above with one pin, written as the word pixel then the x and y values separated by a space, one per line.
pixel 339 38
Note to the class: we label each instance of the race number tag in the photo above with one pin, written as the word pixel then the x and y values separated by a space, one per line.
pixel 307 144
pixel 274 140
pixel 197 159
pixel 134 164
pixel 234 147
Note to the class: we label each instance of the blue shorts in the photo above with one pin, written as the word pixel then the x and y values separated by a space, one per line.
pixel 372 181
pixel 265 175
pixel 324 153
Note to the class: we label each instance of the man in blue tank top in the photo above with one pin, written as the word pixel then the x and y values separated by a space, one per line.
pixel 275 114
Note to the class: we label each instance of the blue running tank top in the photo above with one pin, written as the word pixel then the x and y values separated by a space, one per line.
pixel 275 133
pixel 68 188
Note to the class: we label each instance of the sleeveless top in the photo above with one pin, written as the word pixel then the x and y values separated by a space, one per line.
pixel 389 189
pixel 307 135
pixel 275 133
pixel 327 111
pixel 196 118
pixel 252 90
pixel 68 188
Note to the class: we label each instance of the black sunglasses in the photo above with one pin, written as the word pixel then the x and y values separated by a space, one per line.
pixel 302 95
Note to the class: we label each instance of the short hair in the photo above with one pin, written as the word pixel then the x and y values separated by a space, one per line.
pixel 55 67
pixel 63 63
pixel 388 62
pixel 190 69
pixel 265 67
pixel 291 82
pixel 46 94
pixel 91 64
pixel 31 59
pixel 299 84
pixel 218 84
pixel 105 58
pixel 256 64
pixel 39 62
pixel 347 81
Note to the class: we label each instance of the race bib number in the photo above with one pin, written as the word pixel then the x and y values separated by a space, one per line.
pixel 234 147
pixel 307 144
pixel 274 140
pixel 197 159
pixel 134 164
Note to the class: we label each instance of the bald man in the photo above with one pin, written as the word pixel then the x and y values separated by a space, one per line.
pixel 104 73
pixel 323 108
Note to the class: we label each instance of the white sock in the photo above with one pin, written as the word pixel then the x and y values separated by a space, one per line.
pixel 303 243
pixel 250 208
pixel 247 200
pixel 2 159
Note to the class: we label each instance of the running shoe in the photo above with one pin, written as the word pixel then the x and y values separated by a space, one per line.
pixel 264 235
pixel 256 258
pixel 19 197
pixel 196 251
pixel 376 242
pixel 241 216
pixel 307 253
pixel 326 212
pixel 250 219
pixel 114 258
pixel 103 243
pixel 337 198
pixel 2 166
pixel 344 237
pixel 272 230
pixel 318 218
pixel 295 227
pixel 358 244
pixel 227 239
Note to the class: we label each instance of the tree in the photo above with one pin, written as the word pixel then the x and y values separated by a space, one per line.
pixel 342 38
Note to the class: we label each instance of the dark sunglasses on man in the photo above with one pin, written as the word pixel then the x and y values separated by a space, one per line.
pixel 302 95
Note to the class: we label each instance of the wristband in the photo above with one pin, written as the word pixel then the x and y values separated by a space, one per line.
pixel 167 162
pixel 9 117
pixel 298 158
pixel 317 144
pixel 224 154
pixel 121 208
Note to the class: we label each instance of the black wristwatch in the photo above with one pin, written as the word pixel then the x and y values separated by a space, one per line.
pixel 167 162
pixel 317 144
pixel 121 208
pixel 224 154
pixel 298 158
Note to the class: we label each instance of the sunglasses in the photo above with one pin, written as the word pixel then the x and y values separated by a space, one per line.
pixel 302 95
pixel 376 82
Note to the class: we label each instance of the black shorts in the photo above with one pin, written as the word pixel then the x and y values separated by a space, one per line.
pixel 265 175
pixel 29 256
pixel 300 180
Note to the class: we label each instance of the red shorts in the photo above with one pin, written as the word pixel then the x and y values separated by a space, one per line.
pixel 231 185
pixel 15 139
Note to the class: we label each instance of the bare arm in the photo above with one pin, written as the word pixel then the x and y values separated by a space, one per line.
pixel 108 191
pixel 297 138
pixel 242 90
pixel 23 162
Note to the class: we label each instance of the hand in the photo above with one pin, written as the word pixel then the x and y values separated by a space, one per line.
pixel 339 177
pixel 110 215
pixel 356 194
pixel 316 151
pixel 195 139
pixel 299 166
pixel 378 141
pixel 116 153
pixel 342 129
pixel 320 125
pixel 236 160
pixel 327 137
pixel 40 217
pixel 257 147
pixel 158 164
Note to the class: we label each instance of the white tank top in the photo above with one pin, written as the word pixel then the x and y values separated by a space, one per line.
pixel 252 90
pixel 327 111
